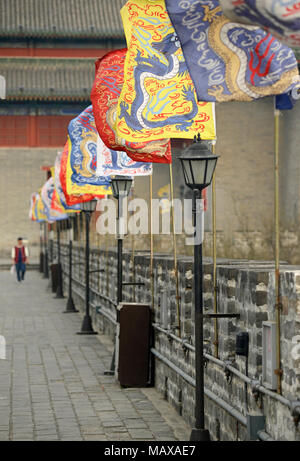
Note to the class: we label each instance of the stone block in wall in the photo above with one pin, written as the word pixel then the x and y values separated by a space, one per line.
pixel 260 317
pixel 259 339
pixel 251 316
pixel 261 297
pixel 289 330
pixel 231 306
pixel 208 302
pixel 207 285
pixel 230 291
pixel 187 327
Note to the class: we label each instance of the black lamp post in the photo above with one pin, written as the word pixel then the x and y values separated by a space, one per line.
pixel 51 242
pixel 198 166
pixel 41 268
pixel 59 289
pixel 120 186
pixel 87 328
pixel 46 261
pixel 70 308
pixel 50 257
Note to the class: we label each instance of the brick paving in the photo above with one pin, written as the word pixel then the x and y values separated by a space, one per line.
pixel 52 385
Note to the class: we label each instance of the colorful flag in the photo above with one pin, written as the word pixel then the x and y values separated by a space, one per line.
pixel 32 214
pixel 55 171
pixel 40 210
pixel 46 195
pixel 56 204
pixel 71 199
pixel 111 163
pixel 158 98
pixel 281 18
pixel 82 157
pixel 229 61
pixel 106 90
pixel 90 162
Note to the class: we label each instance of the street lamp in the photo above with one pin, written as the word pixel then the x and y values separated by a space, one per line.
pixel 121 186
pixel 46 262
pixel 87 328
pixel 41 268
pixel 50 259
pixel 59 289
pixel 51 238
pixel 198 165
pixel 70 308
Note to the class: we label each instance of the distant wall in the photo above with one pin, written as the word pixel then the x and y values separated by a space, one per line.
pixel 290 167
pixel 20 176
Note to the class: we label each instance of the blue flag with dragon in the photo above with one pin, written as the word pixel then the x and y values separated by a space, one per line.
pixel 229 61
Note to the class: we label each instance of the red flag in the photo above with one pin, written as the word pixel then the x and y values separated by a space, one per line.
pixel 105 93
pixel 55 203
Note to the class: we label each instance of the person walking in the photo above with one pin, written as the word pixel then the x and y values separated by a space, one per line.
pixel 19 256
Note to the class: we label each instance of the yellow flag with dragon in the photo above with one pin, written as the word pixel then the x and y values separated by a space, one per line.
pixel 158 98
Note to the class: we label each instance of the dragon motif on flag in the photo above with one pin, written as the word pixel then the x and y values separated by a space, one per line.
pixel 90 163
pixel 229 61
pixel 152 67
pixel 158 99
pixel 279 17
pixel 109 80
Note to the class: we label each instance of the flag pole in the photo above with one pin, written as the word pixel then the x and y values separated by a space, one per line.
pixel 151 240
pixel 214 232
pixel 98 259
pixel 106 264
pixel 133 264
pixel 175 250
pixel 133 253
pixel 79 242
pixel 277 253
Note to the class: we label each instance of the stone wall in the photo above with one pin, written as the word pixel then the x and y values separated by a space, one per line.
pixel 20 176
pixel 245 288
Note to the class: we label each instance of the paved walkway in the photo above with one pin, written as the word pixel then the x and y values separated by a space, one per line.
pixel 52 385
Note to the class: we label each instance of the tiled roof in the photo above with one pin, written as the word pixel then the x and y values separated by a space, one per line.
pixel 42 79
pixel 94 19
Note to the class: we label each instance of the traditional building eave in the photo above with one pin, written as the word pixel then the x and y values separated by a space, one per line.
pixel 48 79
pixel 72 19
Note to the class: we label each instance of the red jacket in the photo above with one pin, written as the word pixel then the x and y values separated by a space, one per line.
pixel 24 258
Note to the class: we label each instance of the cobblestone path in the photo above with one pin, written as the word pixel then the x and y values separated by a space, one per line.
pixel 52 385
